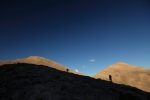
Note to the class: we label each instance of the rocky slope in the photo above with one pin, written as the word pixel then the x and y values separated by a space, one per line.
pixel 37 82
pixel 123 73
pixel 38 61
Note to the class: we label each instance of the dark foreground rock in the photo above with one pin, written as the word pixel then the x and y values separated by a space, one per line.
pixel 36 82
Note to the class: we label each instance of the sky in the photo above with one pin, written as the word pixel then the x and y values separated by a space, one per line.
pixel 83 35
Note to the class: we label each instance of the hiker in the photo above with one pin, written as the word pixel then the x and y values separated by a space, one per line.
pixel 67 70
pixel 110 78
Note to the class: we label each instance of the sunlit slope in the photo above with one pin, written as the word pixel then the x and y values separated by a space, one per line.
pixel 38 61
pixel 123 73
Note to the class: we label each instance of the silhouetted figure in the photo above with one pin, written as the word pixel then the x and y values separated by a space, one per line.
pixel 110 78
pixel 67 70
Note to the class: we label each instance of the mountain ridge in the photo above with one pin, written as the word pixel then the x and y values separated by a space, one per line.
pixel 122 73
pixel 38 61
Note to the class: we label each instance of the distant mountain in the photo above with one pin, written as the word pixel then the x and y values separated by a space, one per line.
pixel 38 61
pixel 23 81
pixel 123 73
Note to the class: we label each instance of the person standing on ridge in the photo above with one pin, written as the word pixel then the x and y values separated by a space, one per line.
pixel 67 70
pixel 110 78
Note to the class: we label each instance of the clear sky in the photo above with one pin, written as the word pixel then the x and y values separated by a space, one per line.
pixel 87 35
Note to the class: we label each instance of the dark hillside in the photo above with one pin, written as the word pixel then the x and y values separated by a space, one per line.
pixel 37 82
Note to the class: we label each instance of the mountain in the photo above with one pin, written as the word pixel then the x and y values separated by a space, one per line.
pixel 24 81
pixel 38 61
pixel 128 74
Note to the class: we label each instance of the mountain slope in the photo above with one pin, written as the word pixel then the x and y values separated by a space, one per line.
pixel 123 73
pixel 37 82
pixel 38 61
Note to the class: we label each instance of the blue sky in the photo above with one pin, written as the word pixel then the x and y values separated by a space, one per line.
pixel 75 32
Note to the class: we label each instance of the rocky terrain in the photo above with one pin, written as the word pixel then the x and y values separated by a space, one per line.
pixel 23 81
pixel 128 74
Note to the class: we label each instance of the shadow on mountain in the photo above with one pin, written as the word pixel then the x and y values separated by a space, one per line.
pixel 23 81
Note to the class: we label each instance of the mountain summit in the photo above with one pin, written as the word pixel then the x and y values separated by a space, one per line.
pixel 37 60
pixel 128 74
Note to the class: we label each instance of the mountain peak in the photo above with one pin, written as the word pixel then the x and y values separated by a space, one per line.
pixel 38 59
pixel 122 63
pixel 35 57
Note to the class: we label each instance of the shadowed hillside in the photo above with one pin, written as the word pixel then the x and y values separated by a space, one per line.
pixel 38 61
pixel 123 73
pixel 37 82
